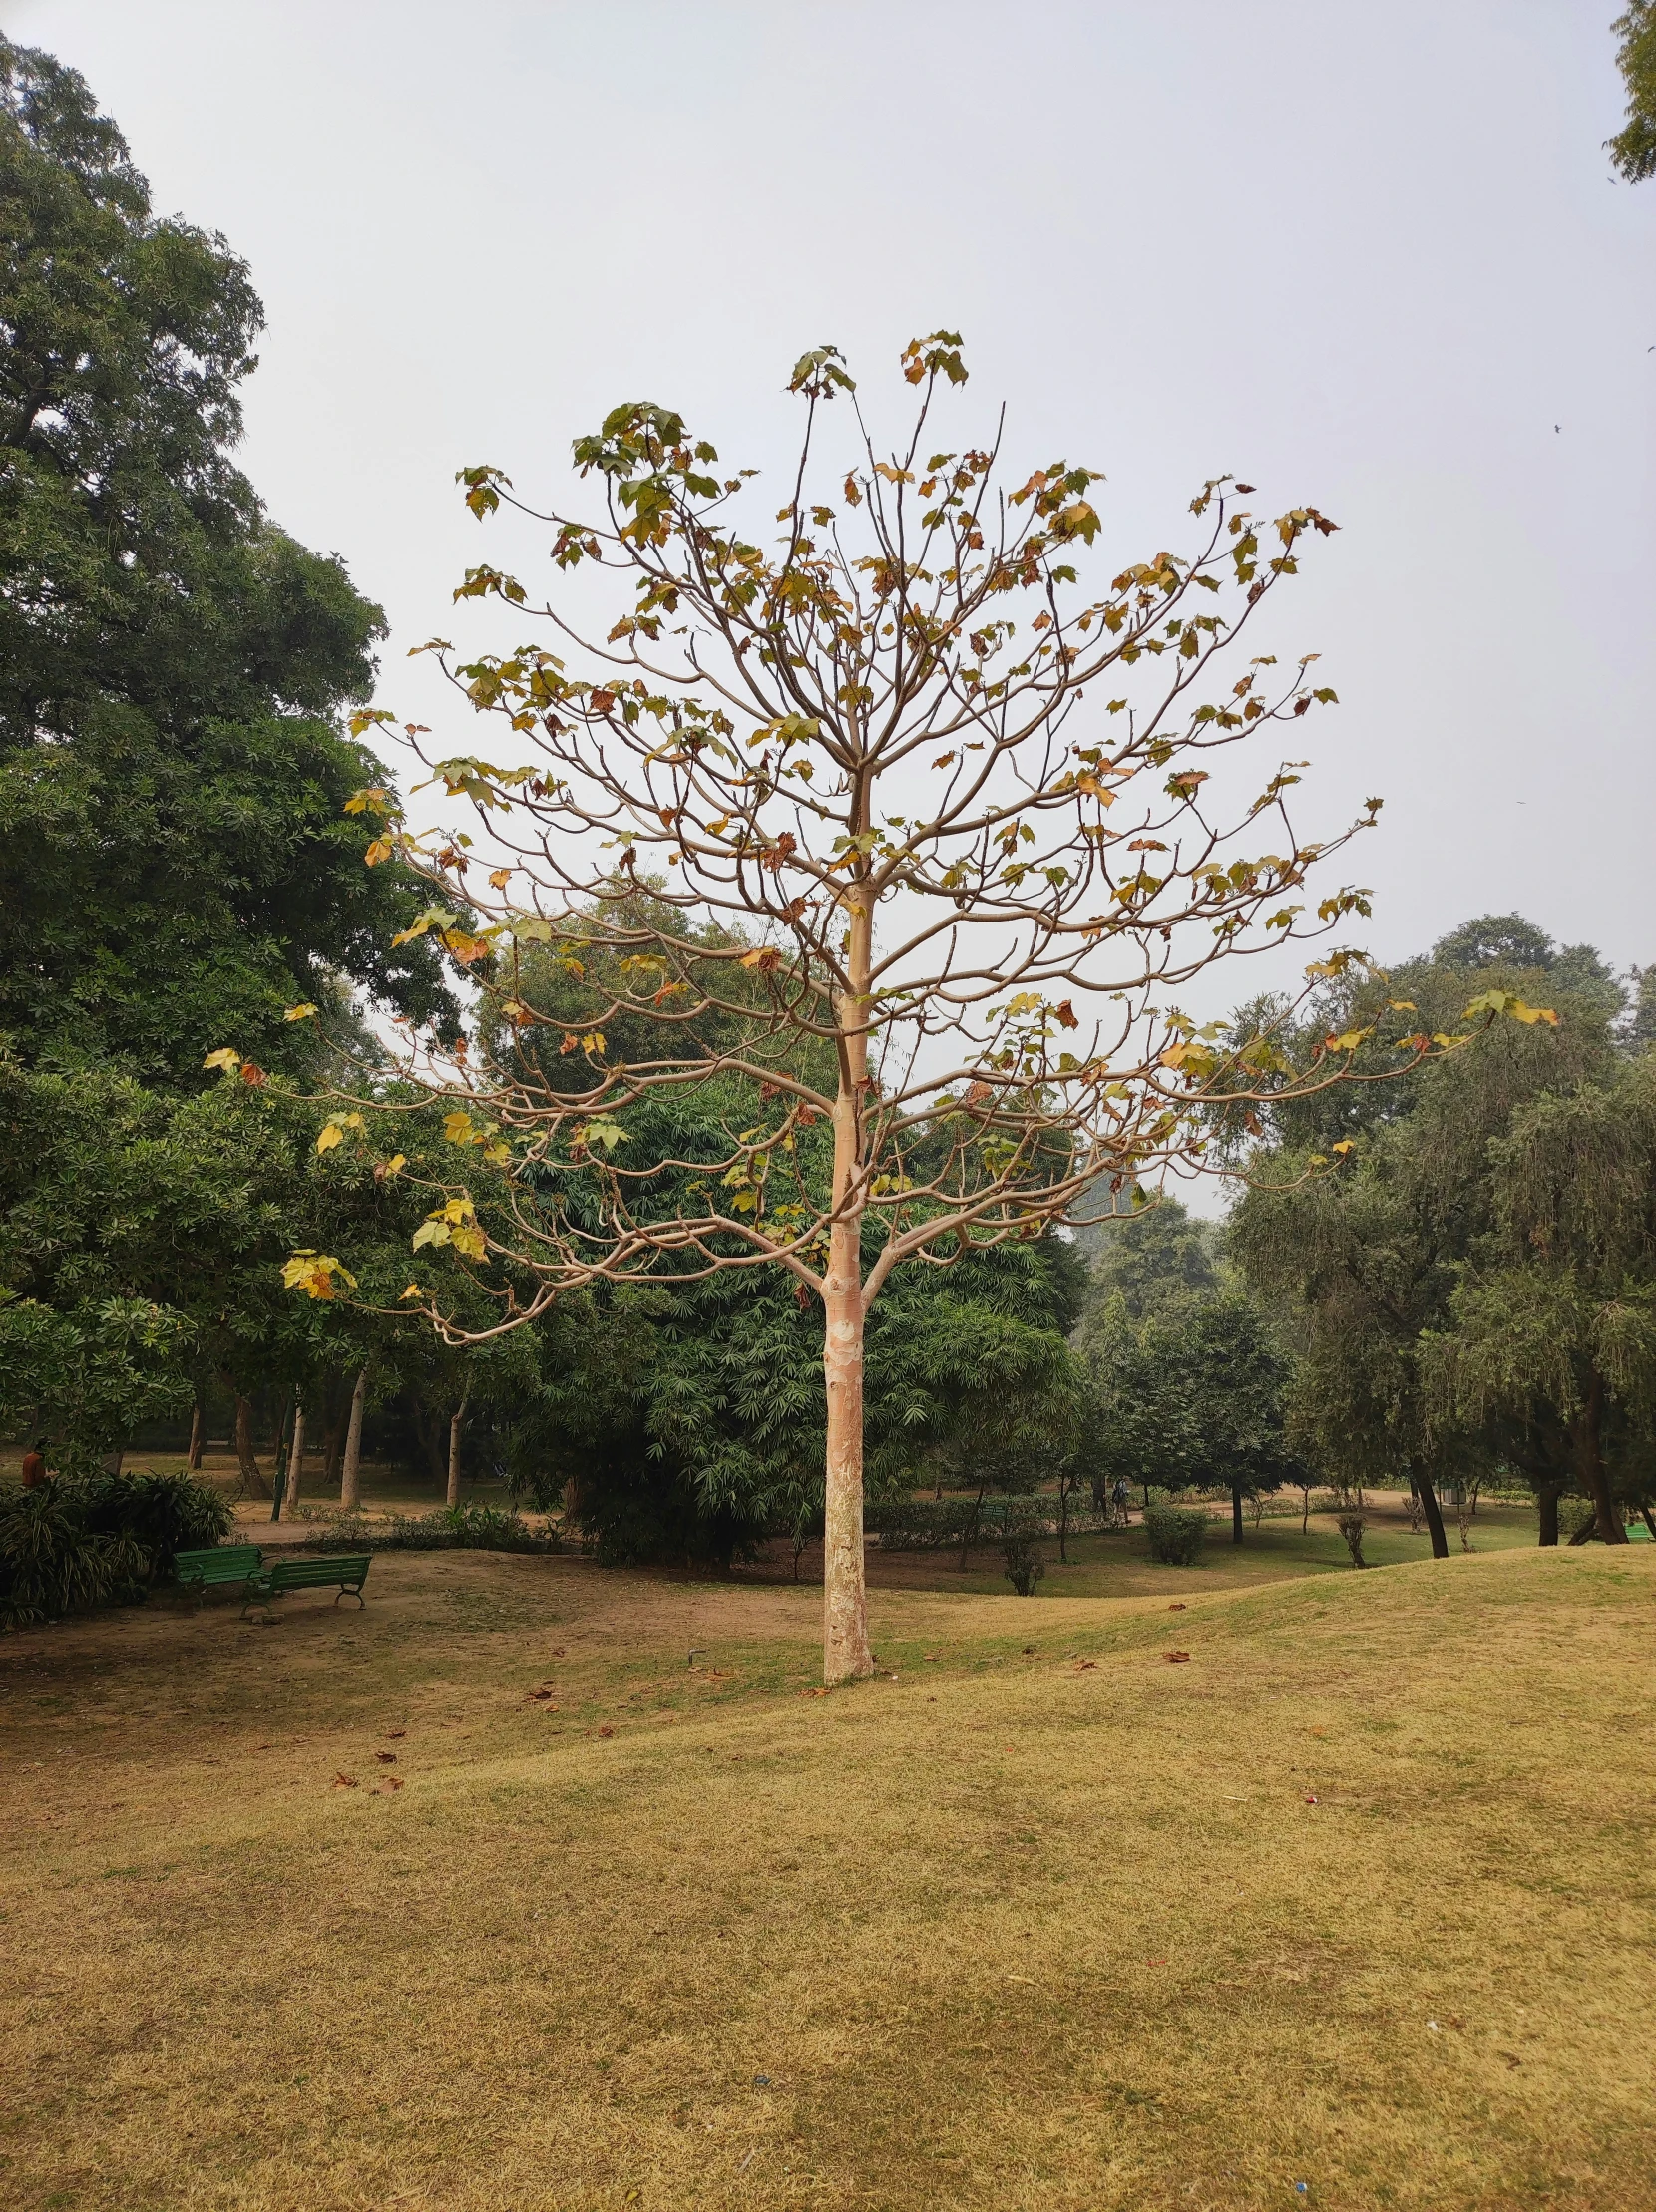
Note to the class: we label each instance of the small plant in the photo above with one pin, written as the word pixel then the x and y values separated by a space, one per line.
pixel 1024 1564
pixel 1176 1533
pixel 1351 1528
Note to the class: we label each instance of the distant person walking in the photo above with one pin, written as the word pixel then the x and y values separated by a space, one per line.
pixel 34 1465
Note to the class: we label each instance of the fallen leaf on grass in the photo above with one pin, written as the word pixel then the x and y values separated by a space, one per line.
pixel 386 1758
pixel 1087 1667
pixel 344 1781
pixel 1178 1606
pixel 537 1696
pixel 1312 1800
pixel 814 1692
pixel 1176 1658
pixel 558 1651
pixel 392 1781
pixel 606 1732
pixel 395 1735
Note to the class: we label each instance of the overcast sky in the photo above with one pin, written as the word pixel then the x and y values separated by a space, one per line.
pixel 1370 258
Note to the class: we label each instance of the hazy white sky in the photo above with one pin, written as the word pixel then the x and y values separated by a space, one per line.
pixel 1372 258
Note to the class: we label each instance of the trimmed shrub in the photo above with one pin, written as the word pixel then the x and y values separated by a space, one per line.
pixel 1176 1534
pixel 461 1527
pixel 1025 1564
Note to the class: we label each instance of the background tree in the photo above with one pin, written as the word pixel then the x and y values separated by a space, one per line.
pixel 175 861
pixel 1553 1325
pixel 1633 148
pixel 862 758
pixel 1359 1270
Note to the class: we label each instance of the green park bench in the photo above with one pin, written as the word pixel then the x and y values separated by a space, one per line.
pixel 224 1563
pixel 349 1573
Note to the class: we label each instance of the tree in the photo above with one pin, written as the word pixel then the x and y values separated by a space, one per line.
pixel 1149 1257
pixel 176 864
pixel 853 781
pixel 1633 148
pixel 1193 1397
pixel 1359 1269
pixel 1553 1325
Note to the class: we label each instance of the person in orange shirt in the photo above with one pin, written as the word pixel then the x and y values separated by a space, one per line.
pixel 34 1466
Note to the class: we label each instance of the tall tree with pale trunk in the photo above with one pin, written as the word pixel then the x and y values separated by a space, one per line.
pixel 895 840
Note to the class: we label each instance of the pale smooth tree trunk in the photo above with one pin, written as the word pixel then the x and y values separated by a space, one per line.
pixel 295 1460
pixel 845 1653
pixel 456 1425
pixel 198 1437
pixel 350 1479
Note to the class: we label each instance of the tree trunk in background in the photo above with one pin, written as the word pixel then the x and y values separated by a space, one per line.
pixel 198 1437
pixel 1433 1518
pixel 253 1478
pixel 456 1425
pixel 1546 1507
pixel 295 1460
pixel 333 1446
pixel 1235 1514
pixel 350 1479
pixel 1589 1466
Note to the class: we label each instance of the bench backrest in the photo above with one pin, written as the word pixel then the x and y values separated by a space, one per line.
pixel 306 1574
pixel 221 1563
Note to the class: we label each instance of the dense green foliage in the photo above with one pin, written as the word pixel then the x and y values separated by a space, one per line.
pixel 175 866
pixel 75 1543
pixel 1465 1287
pixel 1633 148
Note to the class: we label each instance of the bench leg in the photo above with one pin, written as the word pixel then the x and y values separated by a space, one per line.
pixel 356 1594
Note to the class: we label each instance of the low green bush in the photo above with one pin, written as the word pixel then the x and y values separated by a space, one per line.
pixel 463 1528
pixel 161 1514
pixel 1176 1534
pixel 52 1562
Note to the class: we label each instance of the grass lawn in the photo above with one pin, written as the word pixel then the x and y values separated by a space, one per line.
pixel 1362 1896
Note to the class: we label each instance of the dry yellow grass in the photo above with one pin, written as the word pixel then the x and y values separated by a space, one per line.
pixel 1016 1930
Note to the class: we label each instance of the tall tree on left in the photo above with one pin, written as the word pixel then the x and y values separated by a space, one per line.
pixel 175 861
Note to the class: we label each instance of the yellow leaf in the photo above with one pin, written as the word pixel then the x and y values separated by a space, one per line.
pixel 457 1128
pixel 227 1059
pixel 313 1272
pixel 499 877
pixel 1342 1146
pixel 397 1162
pixel 299 1013
pixel 413 1292
pixel 380 849
pixel 330 1136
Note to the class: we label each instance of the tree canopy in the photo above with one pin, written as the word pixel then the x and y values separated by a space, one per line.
pixel 1633 148
pixel 175 857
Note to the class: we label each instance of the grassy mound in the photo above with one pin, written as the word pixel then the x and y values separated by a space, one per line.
pixel 1359 1893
